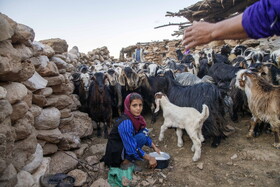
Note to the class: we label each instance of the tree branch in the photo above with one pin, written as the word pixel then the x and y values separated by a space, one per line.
pixel 172 24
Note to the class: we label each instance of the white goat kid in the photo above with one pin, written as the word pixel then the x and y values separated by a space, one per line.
pixel 187 118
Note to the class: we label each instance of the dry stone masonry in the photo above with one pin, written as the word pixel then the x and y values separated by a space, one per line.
pixel 156 51
pixel 38 112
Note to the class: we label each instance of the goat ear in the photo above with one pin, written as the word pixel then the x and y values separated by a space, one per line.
pixel 122 79
pixel 157 105
pixel 141 75
pixel 193 63
pixel 106 80
pixel 105 76
pixel 93 77
pixel 243 78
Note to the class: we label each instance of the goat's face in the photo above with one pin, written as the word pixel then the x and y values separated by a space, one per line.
pixel 257 57
pixel 196 57
pixel 158 97
pixel 191 67
pixel 265 72
pixel 209 54
pixel 238 50
pixel 129 78
pixel 85 80
pixel 143 81
pixel 112 77
pixel 241 79
pixel 75 77
pixel 100 81
pixel 152 68
pixel 247 78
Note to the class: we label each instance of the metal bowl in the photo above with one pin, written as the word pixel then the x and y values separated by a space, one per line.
pixel 162 159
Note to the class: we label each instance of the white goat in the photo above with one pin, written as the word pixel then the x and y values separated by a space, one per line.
pixel 187 118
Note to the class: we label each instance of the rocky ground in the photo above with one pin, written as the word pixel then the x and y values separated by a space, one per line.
pixel 238 161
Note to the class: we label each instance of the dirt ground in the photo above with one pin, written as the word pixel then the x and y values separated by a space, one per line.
pixel 237 161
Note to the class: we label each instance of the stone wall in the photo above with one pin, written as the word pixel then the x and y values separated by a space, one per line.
pixel 38 112
pixel 156 51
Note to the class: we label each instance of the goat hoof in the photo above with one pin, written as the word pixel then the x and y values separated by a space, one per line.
pixel 180 145
pixel 195 159
pixel 214 145
pixel 249 136
pixel 276 145
pixel 192 149
pixel 234 120
pixel 256 134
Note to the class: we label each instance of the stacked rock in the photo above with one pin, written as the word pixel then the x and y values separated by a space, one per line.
pixel 99 55
pixel 38 112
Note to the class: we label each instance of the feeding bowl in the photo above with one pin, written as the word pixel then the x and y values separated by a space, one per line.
pixel 162 159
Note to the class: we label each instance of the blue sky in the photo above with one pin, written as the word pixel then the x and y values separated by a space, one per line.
pixel 89 24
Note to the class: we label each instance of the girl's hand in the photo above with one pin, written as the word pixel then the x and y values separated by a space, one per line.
pixel 156 149
pixel 152 162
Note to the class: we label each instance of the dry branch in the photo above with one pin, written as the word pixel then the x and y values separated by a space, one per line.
pixel 172 24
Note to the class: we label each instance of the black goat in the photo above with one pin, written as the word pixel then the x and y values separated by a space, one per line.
pixel 225 50
pixel 180 55
pixel 100 103
pixel 239 99
pixel 149 86
pixel 240 61
pixel 76 81
pixel 116 92
pixel 80 90
pixel 195 96
pixel 203 67
pixel 222 72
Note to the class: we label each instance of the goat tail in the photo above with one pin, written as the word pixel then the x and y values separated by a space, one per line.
pixel 204 113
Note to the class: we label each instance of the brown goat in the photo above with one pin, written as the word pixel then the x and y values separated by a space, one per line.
pixel 263 100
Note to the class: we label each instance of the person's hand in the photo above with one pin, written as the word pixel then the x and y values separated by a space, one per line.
pixel 156 149
pixel 152 162
pixel 197 34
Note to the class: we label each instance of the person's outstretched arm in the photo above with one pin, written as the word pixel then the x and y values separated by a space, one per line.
pixel 203 32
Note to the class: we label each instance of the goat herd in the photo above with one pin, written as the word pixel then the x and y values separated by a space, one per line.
pixel 232 81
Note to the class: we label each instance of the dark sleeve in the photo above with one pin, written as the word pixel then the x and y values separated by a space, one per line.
pixel 262 19
pixel 126 131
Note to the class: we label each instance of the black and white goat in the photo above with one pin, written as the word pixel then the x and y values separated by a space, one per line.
pixel 81 85
pixel 275 57
pixel 187 118
pixel 195 96
pixel 115 90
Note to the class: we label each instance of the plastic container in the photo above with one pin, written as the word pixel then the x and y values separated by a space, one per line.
pixel 162 159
